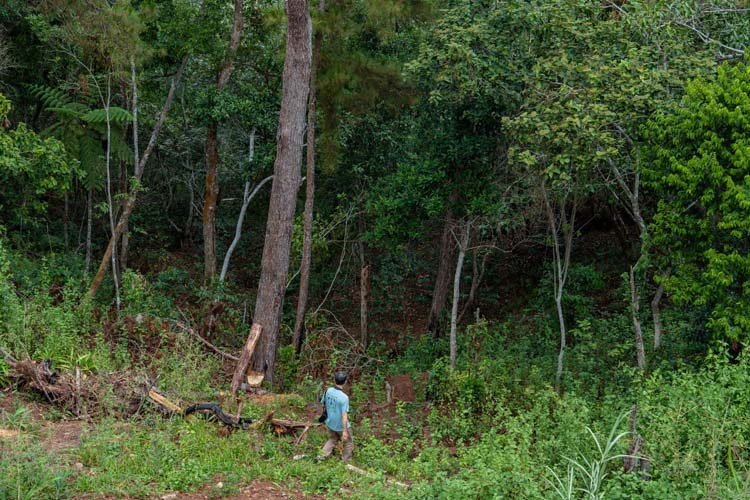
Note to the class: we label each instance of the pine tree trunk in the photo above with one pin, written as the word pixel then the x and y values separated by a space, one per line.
pixel 275 261
pixel 304 278
pixel 212 153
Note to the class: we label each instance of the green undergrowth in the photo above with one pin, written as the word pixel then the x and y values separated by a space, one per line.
pixel 694 426
pixel 493 427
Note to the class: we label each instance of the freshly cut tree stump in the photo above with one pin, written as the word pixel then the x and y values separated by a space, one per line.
pixel 240 373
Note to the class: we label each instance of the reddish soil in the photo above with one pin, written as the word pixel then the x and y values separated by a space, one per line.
pixel 62 436
pixel 57 436
pixel 403 388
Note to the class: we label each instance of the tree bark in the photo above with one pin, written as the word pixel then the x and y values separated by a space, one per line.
pixel 364 301
pixel 275 261
pixel 130 202
pixel 655 311
pixel 442 280
pixel 462 246
pixel 635 309
pixel 304 279
pixel 89 224
pixel 212 153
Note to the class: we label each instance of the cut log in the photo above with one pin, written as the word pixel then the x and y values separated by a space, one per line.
pixel 162 401
pixel 260 423
pixel 247 353
pixel 301 436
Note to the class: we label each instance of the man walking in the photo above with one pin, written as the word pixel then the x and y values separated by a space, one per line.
pixel 337 408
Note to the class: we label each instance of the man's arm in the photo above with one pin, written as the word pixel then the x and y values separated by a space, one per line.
pixel 345 422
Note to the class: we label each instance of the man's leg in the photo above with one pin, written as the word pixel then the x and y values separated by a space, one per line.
pixel 333 438
pixel 348 446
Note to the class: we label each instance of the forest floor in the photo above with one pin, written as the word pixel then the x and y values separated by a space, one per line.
pixel 27 420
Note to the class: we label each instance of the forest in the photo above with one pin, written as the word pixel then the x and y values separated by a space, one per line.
pixel 516 225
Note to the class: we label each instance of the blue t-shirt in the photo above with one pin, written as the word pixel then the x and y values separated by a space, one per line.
pixel 337 403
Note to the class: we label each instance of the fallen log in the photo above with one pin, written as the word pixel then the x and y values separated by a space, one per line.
pixel 161 400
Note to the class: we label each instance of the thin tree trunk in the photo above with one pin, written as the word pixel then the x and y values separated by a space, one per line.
pixel 66 219
pixel 136 160
pixel 655 311
pixel 364 302
pixel 89 224
pixel 246 198
pixel 188 231
pixel 364 286
pixel 304 279
pixel 563 341
pixel 442 280
pixel 462 246
pixel 212 153
pixel 209 203
pixel 476 280
pixel 107 158
pixel 635 308
pixel 130 202
pixel 561 264
pixel 275 262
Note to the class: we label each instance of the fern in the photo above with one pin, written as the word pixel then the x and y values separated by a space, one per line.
pixel 83 131
pixel 49 96
pixel 116 115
